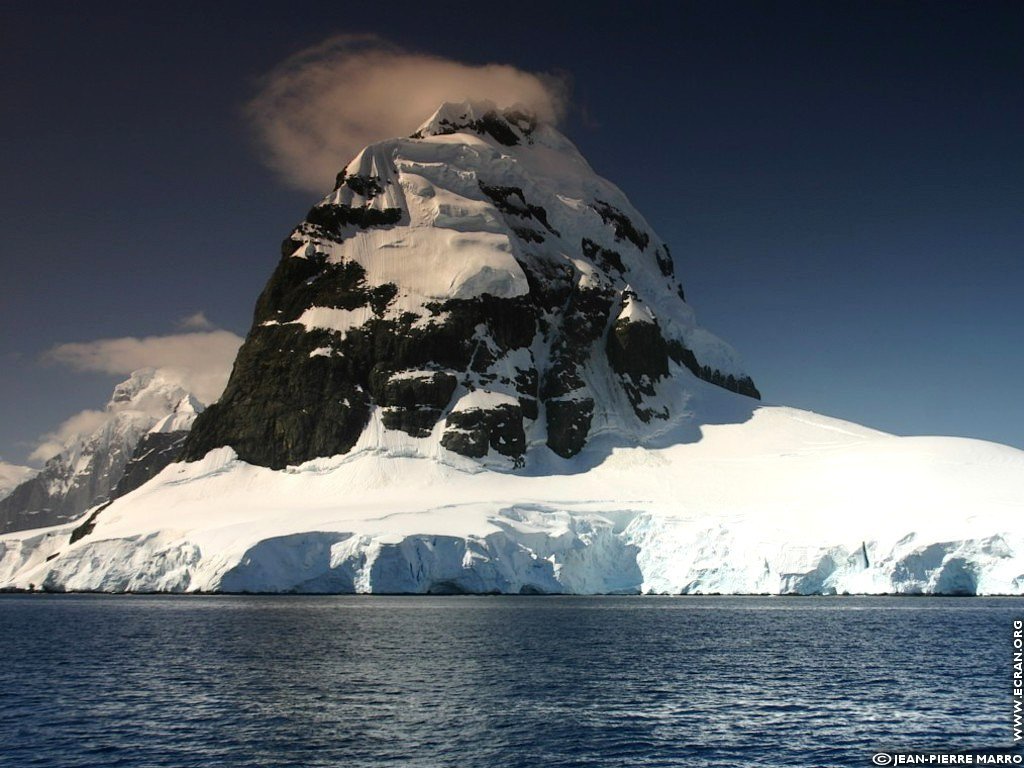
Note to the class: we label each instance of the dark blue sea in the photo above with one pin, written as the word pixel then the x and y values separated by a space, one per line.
pixel 498 681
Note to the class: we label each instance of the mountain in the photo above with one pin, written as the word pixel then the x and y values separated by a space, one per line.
pixel 11 476
pixel 142 430
pixel 479 276
pixel 474 370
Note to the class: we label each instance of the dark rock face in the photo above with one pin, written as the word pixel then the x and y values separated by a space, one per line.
pixel 529 235
pixel 665 263
pixel 154 452
pixel 366 186
pixel 87 526
pixel 415 404
pixel 624 228
pixel 568 425
pixel 511 200
pixel 300 283
pixel 506 128
pixel 472 431
pixel 743 385
pixel 582 324
pixel 639 354
pixel 299 391
pixel 30 505
pixel 638 350
pixel 605 258
pixel 331 218
pixel 284 405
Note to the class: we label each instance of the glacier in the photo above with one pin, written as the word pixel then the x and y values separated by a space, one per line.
pixel 786 502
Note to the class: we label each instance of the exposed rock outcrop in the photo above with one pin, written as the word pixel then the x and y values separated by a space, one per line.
pixel 484 257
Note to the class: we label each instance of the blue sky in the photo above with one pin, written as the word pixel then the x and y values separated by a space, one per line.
pixel 841 183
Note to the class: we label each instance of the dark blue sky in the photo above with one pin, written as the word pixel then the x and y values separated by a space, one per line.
pixel 842 184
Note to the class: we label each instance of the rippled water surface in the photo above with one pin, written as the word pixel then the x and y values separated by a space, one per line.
pixel 498 681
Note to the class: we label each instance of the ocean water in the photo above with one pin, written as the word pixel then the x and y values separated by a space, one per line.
pixel 498 681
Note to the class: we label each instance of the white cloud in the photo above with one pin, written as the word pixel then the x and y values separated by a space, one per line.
pixel 11 476
pixel 83 423
pixel 204 358
pixel 318 108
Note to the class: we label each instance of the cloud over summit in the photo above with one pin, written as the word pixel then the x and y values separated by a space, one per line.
pixel 203 357
pixel 319 107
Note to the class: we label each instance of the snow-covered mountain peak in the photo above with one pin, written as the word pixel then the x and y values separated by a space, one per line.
pixel 151 408
pixel 181 418
pixel 127 390
pixel 154 392
pixel 509 127
pixel 189 404
pixel 482 253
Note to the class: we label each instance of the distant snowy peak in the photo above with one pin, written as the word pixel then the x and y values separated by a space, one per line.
pixel 484 253
pixel 151 391
pixel 181 418
pixel 92 464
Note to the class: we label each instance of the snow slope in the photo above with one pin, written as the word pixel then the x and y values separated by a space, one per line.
pixel 770 500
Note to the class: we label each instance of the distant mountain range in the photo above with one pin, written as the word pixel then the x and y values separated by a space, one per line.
pixel 147 419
